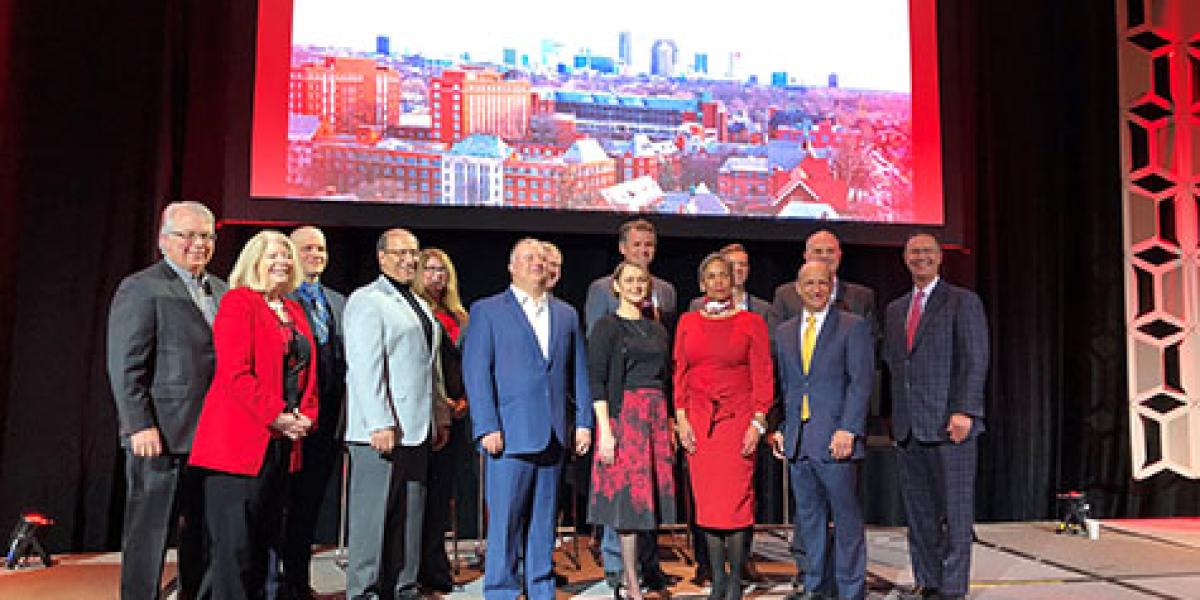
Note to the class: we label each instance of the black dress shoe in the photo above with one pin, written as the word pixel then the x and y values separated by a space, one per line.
pixel 656 581
pixel 751 573
pixel 701 576
pixel 442 586
pixel 560 580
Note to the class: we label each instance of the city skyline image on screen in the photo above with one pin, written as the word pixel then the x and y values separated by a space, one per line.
pixel 812 110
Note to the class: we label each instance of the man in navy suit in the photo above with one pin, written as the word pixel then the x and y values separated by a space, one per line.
pixel 936 349
pixel 523 357
pixel 312 501
pixel 827 368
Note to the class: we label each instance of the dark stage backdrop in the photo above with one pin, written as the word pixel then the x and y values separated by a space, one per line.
pixel 99 128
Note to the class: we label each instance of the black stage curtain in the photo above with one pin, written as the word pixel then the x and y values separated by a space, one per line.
pixel 105 112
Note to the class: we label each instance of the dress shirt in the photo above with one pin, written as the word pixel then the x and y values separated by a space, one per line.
pixel 538 312
pixel 197 286
pixel 926 291
pixel 818 319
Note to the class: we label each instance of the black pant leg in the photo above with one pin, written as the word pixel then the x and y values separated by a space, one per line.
pixel 150 515
pixel 306 496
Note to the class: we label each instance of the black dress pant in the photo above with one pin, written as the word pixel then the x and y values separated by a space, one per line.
pixel 161 493
pixel 308 493
pixel 444 467
pixel 243 516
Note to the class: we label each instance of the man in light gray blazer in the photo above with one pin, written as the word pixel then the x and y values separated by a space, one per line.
pixel 396 415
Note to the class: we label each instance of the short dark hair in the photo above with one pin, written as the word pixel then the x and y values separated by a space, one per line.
pixel 917 234
pixel 638 224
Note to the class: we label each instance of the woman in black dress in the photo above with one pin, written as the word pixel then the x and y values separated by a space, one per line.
pixel 632 486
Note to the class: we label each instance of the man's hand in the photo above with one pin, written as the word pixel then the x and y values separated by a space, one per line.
pixel 441 435
pixel 841 446
pixel 583 440
pixel 383 440
pixel 687 437
pixel 750 440
pixel 776 442
pixel 959 427
pixel 493 443
pixel 606 448
pixel 146 443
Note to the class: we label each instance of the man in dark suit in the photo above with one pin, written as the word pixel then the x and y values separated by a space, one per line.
pixel 826 361
pixel 396 416
pixel 823 246
pixel 936 349
pixel 637 241
pixel 523 358
pixel 160 364
pixel 310 488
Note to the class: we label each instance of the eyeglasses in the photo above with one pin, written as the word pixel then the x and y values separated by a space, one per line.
pixel 194 236
pixel 402 251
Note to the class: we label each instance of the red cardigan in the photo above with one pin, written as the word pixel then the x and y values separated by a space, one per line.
pixel 247 389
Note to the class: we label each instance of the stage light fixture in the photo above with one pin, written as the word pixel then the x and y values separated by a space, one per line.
pixel 24 540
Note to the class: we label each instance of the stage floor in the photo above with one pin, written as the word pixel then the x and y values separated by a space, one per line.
pixel 1156 558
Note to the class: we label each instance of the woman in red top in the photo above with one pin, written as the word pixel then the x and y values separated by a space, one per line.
pixel 724 386
pixel 262 401
pixel 437 283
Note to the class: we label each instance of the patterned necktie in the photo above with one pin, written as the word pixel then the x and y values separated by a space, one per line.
pixel 318 310
pixel 808 343
pixel 914 317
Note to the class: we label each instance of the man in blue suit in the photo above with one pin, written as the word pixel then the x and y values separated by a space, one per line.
pixel 523 357
pixel 936 349
pixel 827 369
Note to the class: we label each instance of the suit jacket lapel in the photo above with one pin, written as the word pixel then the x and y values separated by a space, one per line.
pixel 526 326
pixel 937 300
pixel 406 309
pixel 823 336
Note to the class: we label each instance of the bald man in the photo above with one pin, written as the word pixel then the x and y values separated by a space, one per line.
pixel 824 246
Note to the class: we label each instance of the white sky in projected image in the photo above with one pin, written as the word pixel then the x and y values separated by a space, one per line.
pixel 864 41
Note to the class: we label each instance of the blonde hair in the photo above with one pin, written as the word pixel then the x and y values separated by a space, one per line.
pixel 245 270
pixel 450 299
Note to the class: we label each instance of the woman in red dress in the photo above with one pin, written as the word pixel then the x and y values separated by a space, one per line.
pixel 633 488
pixel 262 401
pixel 437 283
pixel 724 385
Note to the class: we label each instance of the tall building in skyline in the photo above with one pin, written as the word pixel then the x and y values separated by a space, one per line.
pixel 625 47
pixel 664 56
pixel 383 45
pixel 700 64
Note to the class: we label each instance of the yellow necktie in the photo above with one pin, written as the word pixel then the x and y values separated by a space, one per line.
pixel 808 342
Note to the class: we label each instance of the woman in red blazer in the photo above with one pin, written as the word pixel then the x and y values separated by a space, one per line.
pixel 262 401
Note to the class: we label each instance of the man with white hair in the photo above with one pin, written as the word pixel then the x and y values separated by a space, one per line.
pixel 160 364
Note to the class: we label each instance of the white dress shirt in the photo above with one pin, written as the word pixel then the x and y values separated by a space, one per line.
pixel 537 310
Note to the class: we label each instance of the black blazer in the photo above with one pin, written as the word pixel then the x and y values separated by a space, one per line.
pixel 160 355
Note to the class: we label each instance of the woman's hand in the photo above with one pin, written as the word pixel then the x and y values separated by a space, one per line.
pixel 606 449
pixel 292 425
pixel 750 440
pixel 687 437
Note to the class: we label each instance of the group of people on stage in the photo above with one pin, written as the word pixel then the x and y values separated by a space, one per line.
pixel 235 401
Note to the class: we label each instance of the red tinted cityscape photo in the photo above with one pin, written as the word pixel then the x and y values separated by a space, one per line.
pixel 759 109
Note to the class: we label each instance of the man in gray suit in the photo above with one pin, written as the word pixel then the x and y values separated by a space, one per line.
pixel 310 488
pixel 396 414
pixel 936 348
pixel 160 364
pixel 824 246
pixel 637 241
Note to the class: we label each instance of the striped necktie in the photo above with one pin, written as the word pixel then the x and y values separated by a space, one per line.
pixel 318 310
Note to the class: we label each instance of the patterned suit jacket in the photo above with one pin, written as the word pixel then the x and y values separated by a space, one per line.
pixel 945 371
